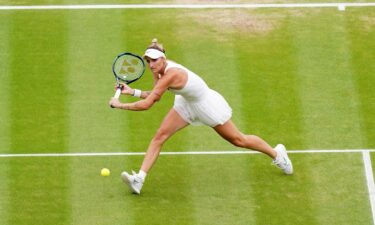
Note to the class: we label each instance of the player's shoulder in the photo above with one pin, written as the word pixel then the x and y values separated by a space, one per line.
pixel 174 74
pixel 174 70
pixel 171 65
pixel 174 67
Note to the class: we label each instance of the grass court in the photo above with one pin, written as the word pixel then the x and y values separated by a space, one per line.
pixel 300 76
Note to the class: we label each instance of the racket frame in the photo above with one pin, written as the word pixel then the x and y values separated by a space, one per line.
pixel 118 78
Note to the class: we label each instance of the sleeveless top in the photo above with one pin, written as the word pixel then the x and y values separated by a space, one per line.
pixel 195 87
pixel 196 103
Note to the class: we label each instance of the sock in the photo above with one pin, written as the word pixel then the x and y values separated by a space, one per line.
pixel 277 158
pixel 142 174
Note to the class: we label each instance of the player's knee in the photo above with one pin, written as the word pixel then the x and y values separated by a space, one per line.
pixel 238 141
pixel 161 136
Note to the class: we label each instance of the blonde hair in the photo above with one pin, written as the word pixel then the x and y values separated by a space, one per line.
pixel 155 45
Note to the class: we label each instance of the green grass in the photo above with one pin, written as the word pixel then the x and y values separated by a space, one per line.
pixel 238 189
pixel 302 77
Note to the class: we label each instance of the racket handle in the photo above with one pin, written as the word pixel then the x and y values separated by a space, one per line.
pixel 118 93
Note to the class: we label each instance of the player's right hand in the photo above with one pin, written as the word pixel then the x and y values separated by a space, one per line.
pixel 125 89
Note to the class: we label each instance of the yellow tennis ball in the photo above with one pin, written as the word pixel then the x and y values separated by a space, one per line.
pixel 105 172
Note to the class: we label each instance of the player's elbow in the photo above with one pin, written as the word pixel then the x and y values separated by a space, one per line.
pixel 145 105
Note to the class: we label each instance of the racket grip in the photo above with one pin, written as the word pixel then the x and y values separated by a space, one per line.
pixel 118 93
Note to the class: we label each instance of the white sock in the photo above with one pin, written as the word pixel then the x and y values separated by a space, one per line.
pixel 142 174
pixel 277 158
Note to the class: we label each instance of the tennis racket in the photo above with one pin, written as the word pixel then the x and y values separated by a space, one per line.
pixel 127 68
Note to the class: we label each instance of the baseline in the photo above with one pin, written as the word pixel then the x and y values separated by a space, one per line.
pixel 188 6
pixel 229 152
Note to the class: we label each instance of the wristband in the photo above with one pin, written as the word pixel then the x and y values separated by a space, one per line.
pixel 137 93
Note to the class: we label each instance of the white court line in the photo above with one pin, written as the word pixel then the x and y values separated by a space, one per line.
pixel 370 181
pixel 188 6
pixel 229 152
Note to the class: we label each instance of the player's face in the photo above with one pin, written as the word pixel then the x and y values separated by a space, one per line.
pixel 156 65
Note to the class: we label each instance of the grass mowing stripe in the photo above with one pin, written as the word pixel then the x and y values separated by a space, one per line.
pixel 370 181
pixel 95 38
pixel 327 188
pixel 89 66
pixel 221 190
pixel 270 85
pixel 37 110
pixel 5 82
pixel 268 79
pixel 4 191
pixel 281 194
pixel 328 94
pixel 330 107
pixel 173 169
pixel 361 24
pixel 37 107
pixel 96 199
pixel 37 191
pixel 220 70
pixel 4 113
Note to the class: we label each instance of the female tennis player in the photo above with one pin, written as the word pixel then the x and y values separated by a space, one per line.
pixel 195 103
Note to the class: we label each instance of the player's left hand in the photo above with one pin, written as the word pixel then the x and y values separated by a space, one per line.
pixel 114 103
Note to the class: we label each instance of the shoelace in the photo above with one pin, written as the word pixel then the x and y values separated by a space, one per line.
pixel 280 163
pixel 136 178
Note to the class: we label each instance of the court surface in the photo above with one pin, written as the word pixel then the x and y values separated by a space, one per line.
pixel 301 76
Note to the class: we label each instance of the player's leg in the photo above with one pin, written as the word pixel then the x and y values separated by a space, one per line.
pixel 279 155
pixel 230 133
pixel 170 125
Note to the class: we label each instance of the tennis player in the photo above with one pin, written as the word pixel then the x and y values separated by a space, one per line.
pixel 195 103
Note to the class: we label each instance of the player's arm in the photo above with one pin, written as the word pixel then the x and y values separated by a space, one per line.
pixel 150 98
pixel 145 94
pixel 126 90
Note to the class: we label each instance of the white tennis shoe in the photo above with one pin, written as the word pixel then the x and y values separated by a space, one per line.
pixel 282 160
pixel 134 182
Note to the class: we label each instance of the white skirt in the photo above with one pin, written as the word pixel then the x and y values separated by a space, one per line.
pixel 211 110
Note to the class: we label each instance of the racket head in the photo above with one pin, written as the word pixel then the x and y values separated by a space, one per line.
pixel 128 67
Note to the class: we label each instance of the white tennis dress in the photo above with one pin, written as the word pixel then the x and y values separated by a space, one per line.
pixel 196 103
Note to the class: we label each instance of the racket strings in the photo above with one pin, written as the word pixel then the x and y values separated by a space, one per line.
pixel 129 67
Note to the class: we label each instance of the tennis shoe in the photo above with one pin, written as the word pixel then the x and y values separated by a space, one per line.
pixel 134 182
pixel 282 160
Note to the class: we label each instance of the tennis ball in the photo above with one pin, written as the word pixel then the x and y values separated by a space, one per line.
pixel 105 172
